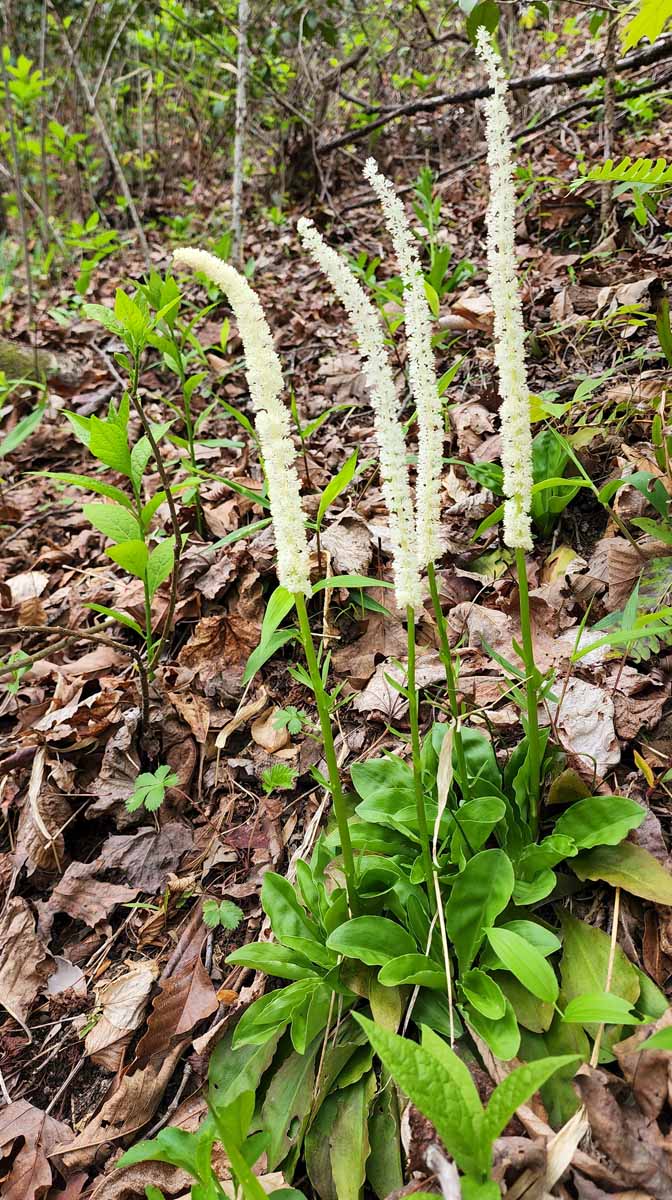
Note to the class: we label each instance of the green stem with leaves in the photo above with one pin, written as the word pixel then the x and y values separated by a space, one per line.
pixel 340 811
pixel 451 682
pixel 531 686
pixel 413 716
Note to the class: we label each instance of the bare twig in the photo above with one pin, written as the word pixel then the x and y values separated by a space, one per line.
pixel 531 83
pixel 102 131
pixel 77 635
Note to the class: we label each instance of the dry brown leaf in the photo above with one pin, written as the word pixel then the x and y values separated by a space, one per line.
pixel 27 585
pixel 195 711
pixel 131 1182
pixel 39 840
pixel 348 540
pixel 122 1002
pixel 83 897
pixel 25 964
pixel 385 637
pixel 584 722
pixel 146 858
pixel 130 1105
pixel 30 1174
pixel 119 770
pixel 243 714
pixel 219 649
pixel 634 1143
pixel 186 995
pixel 267 735
pixel 649 1072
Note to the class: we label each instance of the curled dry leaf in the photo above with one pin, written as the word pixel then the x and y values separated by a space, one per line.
pixel 123 1002
pixel 649 1073
pixel 83 897
pixel 267 735
pixel 244 713
pixel 39 839
pixel 620 1129
pixel 146 858
pixel 25 964
pixel 35 1134
pixel 132 1182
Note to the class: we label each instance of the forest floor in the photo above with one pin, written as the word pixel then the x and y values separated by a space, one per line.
pixel 102 902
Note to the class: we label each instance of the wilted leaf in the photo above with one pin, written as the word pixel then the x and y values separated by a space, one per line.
pixel 36 1134
pixel 24 962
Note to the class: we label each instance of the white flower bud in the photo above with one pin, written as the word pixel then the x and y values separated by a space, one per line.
pixel 264 377
pixel 509 328
pixel 424 385
pixel 389 432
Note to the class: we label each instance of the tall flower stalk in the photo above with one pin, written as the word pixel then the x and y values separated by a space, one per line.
pixel 509 333
pixel 265 381
pixel 394 474
pixel 425 390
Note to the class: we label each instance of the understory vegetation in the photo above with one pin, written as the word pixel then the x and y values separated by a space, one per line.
pixel 335 601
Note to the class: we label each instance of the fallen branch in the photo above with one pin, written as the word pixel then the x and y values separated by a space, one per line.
pixel 531 83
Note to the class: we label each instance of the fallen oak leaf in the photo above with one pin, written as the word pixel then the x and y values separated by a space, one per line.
pixel 25 964
pixel 30 1174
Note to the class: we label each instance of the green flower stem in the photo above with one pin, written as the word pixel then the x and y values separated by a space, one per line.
pixel 340 811
pixel 417 763
pixel 531 688
pixel 451 683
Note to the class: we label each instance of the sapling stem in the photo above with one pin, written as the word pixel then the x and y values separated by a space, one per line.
pixel 329 751
pixel 531 689
pixel 451 682
pixel 417 762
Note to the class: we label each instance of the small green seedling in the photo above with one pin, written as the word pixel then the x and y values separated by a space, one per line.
pixel 278 778
pixel 291 718
pixel 222 913
pixel 150 789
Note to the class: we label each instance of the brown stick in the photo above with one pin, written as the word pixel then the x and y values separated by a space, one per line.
pixel 651 54
pixel 609 125
pixel 77 635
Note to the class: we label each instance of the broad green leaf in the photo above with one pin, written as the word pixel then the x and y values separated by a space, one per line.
pixel 413 968
pixel 525 962
pixel 132 556
pixel 459 1073
pixel 383 1166
pixel 265 651
pixel 288 1101
pixel 501 1035
pixel 114 521
pixel 479 894
pixel 516 1089
pixel 531 1013
pixel 660 1040
pixel 273 959
pixel 337 1144
pixel 600 821
pixel 601 1007
pixel 432 1089
pixel 122 617
pixel 92 484
pixel 272 1012
pixel 174 1146
pixel 160 564
pixel 21 431
pixel 140 456
pixel 336 485
pixel 104 316
pixel 476 819
pixel 373 940
pixel 483 993
pixel 585 962
pixel 628 866
pixel 232 1072
pixel 648 23
pixel 108 442
pixel 350 581
pixel 289 921
pixel 544 940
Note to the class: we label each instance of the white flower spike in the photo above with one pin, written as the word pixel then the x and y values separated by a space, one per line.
pixel 505 292
pixel 264 377
pixel 389 432
pixel 424 384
